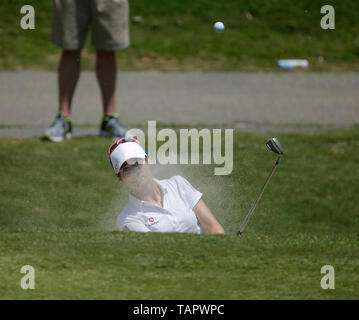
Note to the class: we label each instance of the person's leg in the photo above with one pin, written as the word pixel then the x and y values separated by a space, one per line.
pixel 68 76
pixel 106 76
pixel 109 33
pixel 70 23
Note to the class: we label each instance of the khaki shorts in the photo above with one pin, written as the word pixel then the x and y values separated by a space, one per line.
pixel 108 20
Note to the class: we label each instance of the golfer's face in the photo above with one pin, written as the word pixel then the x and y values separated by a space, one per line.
pixel 132 170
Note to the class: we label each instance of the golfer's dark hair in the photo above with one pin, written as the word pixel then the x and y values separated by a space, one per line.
pixel 113 147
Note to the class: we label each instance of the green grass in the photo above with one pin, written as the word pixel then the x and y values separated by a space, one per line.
pixel 59 202
pixel 113 265
pixel 178 35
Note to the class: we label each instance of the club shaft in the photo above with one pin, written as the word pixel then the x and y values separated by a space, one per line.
pixel 250 213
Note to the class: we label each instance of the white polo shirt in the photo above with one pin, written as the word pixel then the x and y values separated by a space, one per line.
pixel 177 215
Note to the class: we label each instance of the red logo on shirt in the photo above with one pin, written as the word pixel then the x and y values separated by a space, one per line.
pixel 151 219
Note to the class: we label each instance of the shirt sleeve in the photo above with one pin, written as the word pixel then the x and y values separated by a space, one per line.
pixel 125 224
pixel 134 226
pixel 188 193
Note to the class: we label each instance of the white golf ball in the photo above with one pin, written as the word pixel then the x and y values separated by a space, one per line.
pixel 219 26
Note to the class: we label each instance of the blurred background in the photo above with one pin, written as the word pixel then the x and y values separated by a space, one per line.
pixel 179 70
pixel 178 36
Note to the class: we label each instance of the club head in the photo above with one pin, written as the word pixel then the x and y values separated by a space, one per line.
pixel 274 145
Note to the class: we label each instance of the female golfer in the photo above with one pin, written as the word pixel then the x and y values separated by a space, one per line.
pixel 169 205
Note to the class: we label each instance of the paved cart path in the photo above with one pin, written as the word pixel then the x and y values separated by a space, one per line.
pixel 28 100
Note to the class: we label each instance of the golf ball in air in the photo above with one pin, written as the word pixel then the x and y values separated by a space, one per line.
pixel 219 26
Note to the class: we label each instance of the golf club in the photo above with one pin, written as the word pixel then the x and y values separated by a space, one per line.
pixel 273 145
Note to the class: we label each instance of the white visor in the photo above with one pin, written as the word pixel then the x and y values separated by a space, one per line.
pixel 124 152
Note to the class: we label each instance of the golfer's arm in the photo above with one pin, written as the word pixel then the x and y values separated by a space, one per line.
pixel 206 218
